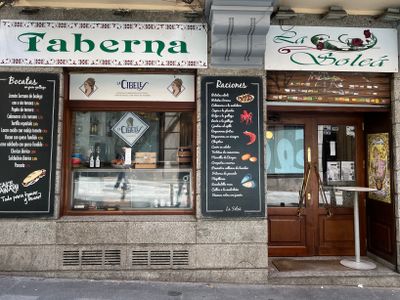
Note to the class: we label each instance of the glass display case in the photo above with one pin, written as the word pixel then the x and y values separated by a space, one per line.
pixel 131 160
pixel 131 189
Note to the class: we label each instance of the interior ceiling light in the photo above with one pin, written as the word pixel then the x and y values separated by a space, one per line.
pixel 390 15
pixel 284 13
pixel 335 13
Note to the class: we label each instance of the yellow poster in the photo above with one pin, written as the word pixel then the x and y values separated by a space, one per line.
pixel 378 166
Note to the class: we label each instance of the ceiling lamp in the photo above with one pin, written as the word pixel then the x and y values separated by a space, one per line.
pixel 335 13
pixel 284 13
pixel 390 15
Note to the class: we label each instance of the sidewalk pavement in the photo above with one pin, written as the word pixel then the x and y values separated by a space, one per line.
pixel 33 288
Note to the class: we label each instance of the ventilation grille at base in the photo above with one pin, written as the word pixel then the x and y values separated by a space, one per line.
pixel 91 257
pixel 71 258
pixel 101 258
pixel 180 258
pixel 155 258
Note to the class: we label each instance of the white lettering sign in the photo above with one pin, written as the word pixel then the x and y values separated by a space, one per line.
pixel 110 44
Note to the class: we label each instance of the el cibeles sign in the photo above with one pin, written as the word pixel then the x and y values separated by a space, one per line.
pixel 130 128
pixel 112 44
pixel 132 87
pixel 331 49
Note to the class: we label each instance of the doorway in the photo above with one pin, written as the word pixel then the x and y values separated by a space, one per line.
pixel 307 156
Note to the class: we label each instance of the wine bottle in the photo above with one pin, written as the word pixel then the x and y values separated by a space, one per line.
pixel 97 160
pixel 91 158
pixel 184 196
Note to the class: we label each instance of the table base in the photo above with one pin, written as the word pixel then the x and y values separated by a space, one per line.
pixel 361 265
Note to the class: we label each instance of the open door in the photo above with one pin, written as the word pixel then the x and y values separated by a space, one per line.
pixel 381 225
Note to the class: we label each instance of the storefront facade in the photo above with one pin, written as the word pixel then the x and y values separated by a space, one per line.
pixel 126 202
pixel 325 121
pixel 133 178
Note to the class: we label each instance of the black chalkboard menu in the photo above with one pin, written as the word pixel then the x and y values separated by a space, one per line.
pixel 28 142
pixel 232 141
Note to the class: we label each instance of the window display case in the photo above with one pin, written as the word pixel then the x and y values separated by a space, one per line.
pixel 129 150
pixel 131 161
pixel 131 189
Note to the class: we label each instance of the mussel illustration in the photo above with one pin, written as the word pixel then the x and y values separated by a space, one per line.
pixel 248 182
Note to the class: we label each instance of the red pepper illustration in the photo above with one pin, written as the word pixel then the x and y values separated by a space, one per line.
pixel 246 117
pixel 252 137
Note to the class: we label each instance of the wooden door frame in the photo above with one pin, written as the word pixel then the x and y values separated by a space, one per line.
pixel 289 214
pixel 345 247
pixel 310 221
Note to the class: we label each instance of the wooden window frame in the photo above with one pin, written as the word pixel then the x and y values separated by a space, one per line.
pixel 71 106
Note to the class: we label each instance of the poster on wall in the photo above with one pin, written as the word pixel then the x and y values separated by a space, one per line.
pixel 378 167
pixel 28 141
pixel 232 142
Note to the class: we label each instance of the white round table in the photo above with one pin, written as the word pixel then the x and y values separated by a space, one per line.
pixel 357 263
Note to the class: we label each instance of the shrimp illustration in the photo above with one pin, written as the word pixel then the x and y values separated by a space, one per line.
pixel 252 137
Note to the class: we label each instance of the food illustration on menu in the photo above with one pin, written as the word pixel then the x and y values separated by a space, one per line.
pixel 33 177
pixel 232 129
pixel 252 137
pixel 246 117
pixel 249 157
pixel 245 98
pixel 248 182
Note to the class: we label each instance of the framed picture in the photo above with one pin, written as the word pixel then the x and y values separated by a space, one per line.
pixel 378 166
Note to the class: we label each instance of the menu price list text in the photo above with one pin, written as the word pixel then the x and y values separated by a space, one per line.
pixel 28 110
pixel 232 159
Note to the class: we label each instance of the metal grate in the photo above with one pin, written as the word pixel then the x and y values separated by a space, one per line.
pixel 140 258
pixel 92 258
pixel 170 258
pixel 112 257
pixel 160 258
pixel 71 258
pixel 180 258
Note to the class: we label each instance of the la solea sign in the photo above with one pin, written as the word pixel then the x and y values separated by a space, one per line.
pixel 331 49
pixel 111 44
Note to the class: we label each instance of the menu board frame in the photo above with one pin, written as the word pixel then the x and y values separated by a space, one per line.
pixel 28 147
pixel 232 156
